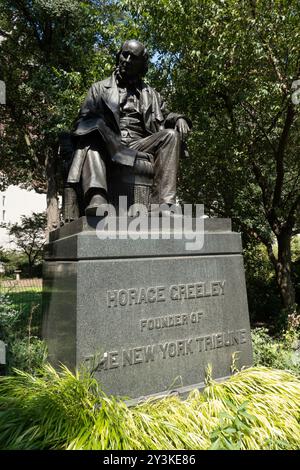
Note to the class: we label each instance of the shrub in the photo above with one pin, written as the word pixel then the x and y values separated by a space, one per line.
pixel 257 408
pixel 263 297
pixel 276 353
pixel 19 327
pixel 26 354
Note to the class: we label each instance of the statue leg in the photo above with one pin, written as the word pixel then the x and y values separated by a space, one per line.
pixel 165 148
pixel 89 170
pixel 94 181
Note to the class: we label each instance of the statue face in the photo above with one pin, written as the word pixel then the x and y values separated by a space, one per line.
pixel 131 61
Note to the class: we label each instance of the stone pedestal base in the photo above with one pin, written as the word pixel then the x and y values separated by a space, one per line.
pixel 150 314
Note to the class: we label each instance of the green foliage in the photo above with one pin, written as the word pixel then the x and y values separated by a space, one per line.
pixel 17 260
pixel 21 311
pixel 276 353
pixel 296 249
pixel 257 408
pixel 264 303
pixel 233 427
pixel 230 66
pixel 13 259
pixel 296 267
pixel 20 307
pixel 44 410
pixel 293 329
pixel 20 327
pixel 29 236
pixel 239 59
pixel 263 299
pixel 27 354
pixel 48 60
pixel 9 317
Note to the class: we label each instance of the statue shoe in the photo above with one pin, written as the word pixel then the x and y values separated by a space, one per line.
pixel 96 201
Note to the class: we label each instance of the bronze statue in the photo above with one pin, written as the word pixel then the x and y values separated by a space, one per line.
pixel 122 120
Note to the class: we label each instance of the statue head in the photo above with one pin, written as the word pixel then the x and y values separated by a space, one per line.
pixel 132 60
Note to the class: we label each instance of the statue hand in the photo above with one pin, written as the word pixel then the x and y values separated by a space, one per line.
pixel 182 127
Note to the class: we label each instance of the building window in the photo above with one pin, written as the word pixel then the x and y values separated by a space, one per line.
pixel 3 215
pixel 3 200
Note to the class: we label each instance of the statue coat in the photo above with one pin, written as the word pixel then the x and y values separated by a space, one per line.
pixel 101 112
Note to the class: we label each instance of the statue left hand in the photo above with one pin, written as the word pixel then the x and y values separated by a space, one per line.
pixel 182 127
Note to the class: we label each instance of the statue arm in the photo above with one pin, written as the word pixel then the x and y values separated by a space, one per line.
pixel 89 105
pixel 89 112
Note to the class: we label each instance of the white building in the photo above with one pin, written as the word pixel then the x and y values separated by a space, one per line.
pixel 15 202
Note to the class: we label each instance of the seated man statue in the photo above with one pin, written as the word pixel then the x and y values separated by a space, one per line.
pixel 121 119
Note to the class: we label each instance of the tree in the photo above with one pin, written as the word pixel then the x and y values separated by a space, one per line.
pixel 51 51
pixel 29 236
pixel 232 67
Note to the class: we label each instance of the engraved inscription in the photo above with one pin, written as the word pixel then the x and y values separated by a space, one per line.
pixel 195 291
pixel 169 321
pixel 135 296
pixel 176 348
pixel 138 355
pixel 171 349
pixel 221 340
pixel 143 295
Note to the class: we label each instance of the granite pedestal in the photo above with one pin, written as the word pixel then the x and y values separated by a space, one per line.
pixel 148 313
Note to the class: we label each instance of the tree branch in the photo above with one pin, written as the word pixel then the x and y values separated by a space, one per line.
pixel 253 8
pixel 293 191
pixel 268 243
pixel 291 219
pixel 4 33
pixel 275 119
pixel 252 113
pixel 262 182
pixel 23 10
pixel 274 62
pixel 280 156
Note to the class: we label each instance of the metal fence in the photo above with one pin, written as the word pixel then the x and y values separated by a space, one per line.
pixel 23 296
pixel 20 318
pixel 21 284
pixel 23 290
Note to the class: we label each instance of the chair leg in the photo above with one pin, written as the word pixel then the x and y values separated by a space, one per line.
pixel 70 204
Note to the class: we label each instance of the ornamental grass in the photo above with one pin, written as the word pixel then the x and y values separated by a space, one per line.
pixel 256 408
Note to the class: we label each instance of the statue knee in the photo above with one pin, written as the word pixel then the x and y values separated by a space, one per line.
pixel 172 134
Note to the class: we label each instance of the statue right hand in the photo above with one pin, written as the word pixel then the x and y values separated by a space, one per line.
pixel 182 127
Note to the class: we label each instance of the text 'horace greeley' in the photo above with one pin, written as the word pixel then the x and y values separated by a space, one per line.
pixel 144 295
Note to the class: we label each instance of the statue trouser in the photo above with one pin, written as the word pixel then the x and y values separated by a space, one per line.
pixel 165 148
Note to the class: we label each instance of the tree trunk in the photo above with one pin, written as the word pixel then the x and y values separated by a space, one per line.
pixel 30 266
pixel 284 268
pixel 53 217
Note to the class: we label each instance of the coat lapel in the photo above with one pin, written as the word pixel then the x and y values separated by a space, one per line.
pixel 111 98
pixel 146 106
